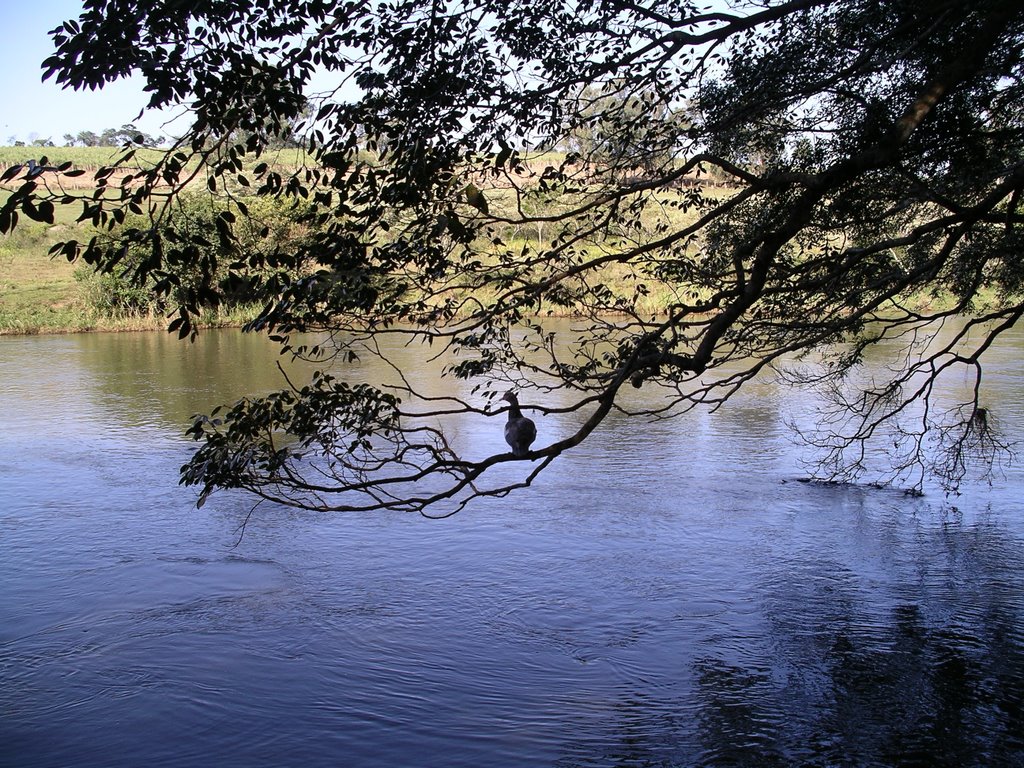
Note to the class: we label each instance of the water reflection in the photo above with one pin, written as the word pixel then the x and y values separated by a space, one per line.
pixel 665 596
pixel 143 378
pixel 906 666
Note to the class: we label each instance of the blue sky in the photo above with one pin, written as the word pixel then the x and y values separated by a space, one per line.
pixel 31 109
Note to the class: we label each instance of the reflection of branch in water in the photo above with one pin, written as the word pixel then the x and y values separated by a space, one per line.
pixel 931 678
pixel 740 721
pixel 902 416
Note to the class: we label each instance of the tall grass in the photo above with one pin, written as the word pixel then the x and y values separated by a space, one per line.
pixel 82 157
pixel 93 158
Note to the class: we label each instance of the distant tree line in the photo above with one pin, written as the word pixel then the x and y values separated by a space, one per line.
pixel 129 134
pixel 111 137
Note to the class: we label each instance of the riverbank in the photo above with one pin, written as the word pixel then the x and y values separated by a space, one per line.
pixel 43 294
pixel 40 294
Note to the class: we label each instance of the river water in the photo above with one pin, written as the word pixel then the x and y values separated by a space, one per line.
pixel 667 595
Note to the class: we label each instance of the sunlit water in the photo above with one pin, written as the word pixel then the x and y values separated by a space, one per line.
pixel 666 595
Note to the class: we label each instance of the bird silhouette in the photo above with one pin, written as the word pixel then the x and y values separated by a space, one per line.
pixel 519 430
pixel 35 170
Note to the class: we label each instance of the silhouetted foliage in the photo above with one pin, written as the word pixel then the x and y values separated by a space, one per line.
pixel 126 289
pixel 872 153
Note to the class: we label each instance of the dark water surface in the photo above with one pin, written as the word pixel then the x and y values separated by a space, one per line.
pixel 667 595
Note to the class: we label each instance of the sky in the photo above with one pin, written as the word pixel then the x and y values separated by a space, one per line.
pixel 31 109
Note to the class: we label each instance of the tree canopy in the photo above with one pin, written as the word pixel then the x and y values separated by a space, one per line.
pixel 793 180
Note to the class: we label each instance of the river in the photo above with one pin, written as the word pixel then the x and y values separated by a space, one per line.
pixel 667 595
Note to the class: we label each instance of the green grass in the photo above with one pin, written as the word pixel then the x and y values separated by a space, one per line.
pixel 37 293
pixel 82 157
pixel 40 294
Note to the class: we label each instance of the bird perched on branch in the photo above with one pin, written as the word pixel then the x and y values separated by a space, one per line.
pixel 35 170
pixel 519 430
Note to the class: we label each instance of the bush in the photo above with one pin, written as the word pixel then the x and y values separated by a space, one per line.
pixel 269 224
pixel 114 295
